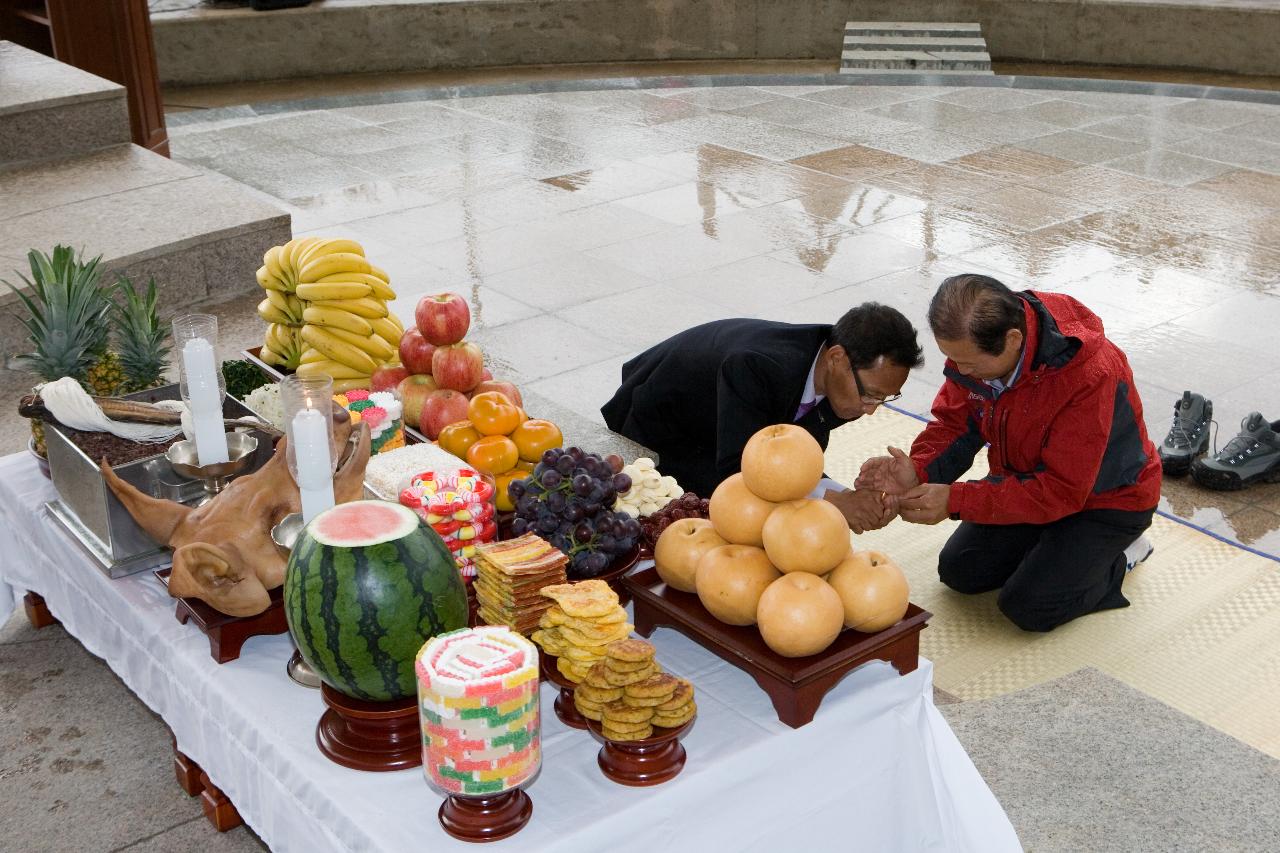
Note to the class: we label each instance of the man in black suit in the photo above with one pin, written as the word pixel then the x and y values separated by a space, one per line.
pixel 697 397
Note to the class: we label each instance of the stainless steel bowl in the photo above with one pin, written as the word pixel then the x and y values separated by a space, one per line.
pixel 286 533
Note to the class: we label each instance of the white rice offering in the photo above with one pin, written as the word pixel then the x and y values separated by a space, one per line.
pixel 389 472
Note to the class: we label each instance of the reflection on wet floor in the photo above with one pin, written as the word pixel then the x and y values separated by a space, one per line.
pixel 586 225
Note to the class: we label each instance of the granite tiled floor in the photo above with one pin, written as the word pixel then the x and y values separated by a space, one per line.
pixel 568 217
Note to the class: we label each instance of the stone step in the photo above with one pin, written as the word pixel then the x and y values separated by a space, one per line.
pixel 914 43
pixel 916 60
pixel 200 235
pixel 915 29
pixel 49 109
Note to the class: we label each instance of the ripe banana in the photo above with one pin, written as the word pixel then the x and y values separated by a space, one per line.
pixel 272 314
pixel 274 261
pixel 337 318
pixel 387 328
pixel 291 254
pixel 330 264
pixel 367 307
pixel 287 304
pixel 310 355
pixel 285 342
pixel 329 367
pixel 333 291
pixel 377 348
pixel 341 385
pixel 337 348
pixel 329 246
pixel 379 287
pixel 269 356
pixel 267 282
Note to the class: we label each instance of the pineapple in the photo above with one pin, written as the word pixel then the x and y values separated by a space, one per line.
pixel 67 313
pixel 107 376
pixel 140 337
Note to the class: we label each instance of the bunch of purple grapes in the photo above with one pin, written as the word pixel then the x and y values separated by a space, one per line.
pixel 566 501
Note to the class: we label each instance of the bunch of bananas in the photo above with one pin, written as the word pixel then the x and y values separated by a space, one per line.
pixel 326 307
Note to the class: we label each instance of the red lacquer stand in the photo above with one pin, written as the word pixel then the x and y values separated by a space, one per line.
pixel 641 763
pixel 218 810
pixel 485 818
pixel 565 709
pixel 371 736
pixel 227 634
pixel 795 685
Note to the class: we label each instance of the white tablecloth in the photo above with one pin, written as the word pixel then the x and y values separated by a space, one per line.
pixel 878 769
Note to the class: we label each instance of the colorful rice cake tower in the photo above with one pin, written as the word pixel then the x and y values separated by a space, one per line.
pixel 478 700
pixel 381 410
pixel 458 506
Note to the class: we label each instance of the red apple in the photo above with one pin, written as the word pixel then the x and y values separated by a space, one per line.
pixel 457 366
pixel 485 375
pixel 416 351
pixel 442 407
pixel 443 318
pixel 512 392
pixel 388 378
pixel 413 393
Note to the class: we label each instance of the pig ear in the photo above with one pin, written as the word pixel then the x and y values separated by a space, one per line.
pixel 208 573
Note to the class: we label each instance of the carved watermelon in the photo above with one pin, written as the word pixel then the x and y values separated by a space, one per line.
pixel 368 583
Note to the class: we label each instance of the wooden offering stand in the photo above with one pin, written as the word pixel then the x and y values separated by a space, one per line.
pixel 565 709
pixel 227 633
pixel 485 818
pixel 640 763
pixel 795 685
pixel 372 736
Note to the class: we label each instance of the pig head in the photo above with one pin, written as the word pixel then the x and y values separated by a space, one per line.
pixel 223 553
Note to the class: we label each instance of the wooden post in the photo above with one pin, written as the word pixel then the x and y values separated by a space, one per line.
pixel 113 39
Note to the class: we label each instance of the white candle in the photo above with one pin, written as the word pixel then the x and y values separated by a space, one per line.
pixel 310 437
pixel 205 402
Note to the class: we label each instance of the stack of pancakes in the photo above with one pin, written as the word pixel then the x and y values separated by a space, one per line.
pixel 586 618
pixel 509 576
pixel 629 694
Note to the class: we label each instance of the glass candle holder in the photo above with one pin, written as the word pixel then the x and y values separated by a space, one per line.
pixel 195 338
pixel 310 451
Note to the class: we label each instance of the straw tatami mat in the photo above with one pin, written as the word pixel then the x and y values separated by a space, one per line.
pixel 1202 632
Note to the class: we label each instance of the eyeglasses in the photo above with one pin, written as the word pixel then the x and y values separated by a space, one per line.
pixel 867 398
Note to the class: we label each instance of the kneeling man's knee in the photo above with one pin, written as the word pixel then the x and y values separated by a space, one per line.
pixel 955 569
pixel 1028 613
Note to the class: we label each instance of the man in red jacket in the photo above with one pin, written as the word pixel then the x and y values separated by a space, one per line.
pixel 1074 479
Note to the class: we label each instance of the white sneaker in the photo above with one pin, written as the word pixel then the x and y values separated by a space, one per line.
pixel 1137 552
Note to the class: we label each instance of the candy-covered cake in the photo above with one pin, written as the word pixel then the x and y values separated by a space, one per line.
pixel 381 410
pixel 478 700
pixel 459 506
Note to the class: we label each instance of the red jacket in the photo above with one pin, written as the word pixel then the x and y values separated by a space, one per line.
pixel 1067 436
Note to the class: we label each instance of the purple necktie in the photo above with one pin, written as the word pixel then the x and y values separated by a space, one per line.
pixel 805 408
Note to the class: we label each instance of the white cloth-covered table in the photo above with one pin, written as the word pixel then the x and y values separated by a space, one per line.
pixel 878 768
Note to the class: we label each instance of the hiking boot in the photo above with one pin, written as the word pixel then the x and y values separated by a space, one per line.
pixel 1189 435
pixel 1252 456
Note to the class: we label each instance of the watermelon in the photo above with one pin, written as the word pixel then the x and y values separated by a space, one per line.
pixel 368 584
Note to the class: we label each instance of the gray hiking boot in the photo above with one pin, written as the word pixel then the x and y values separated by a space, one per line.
pixel 1253 456
pixel 1189 435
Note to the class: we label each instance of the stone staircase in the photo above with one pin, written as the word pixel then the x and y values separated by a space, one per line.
pixel 883 47
pixel 68 174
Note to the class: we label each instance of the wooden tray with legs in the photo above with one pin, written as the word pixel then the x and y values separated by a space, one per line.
pixel 227 633
pixel 795 685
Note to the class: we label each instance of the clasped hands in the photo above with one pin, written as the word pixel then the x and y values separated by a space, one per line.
pixel 887 486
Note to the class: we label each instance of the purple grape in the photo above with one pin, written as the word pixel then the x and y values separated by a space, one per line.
pixel 632 528
pixel 621 482
pixel 556 502
pixel 516 490
pixel 576 453
pixel 574 511
pixel 597 563
pixel 584 531
pixel 520 526
pixel 607 544
pixel 582 485
pixel 527 505
pixel 591 508
pixel 548 524
pixel 551 479
pixel 549 457
pixel 615 463
pixel 565 465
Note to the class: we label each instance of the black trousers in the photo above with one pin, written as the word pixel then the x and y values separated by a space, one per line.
pixel 1047 574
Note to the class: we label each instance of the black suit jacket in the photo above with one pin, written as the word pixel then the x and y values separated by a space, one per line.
pixel 697 397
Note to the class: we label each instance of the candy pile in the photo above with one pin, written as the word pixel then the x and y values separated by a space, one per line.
pixel 586 618
pixel 478 702
pixel 459 506
pixel 381 411
pixel 508 577
pixel 629 694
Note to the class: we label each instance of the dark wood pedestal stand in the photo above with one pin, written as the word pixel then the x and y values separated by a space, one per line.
pixel 37 611
pixel 795 685
pixel 227 634
pixel 372 736
pixel 565 709
pixel 640 763
pixel 485 818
